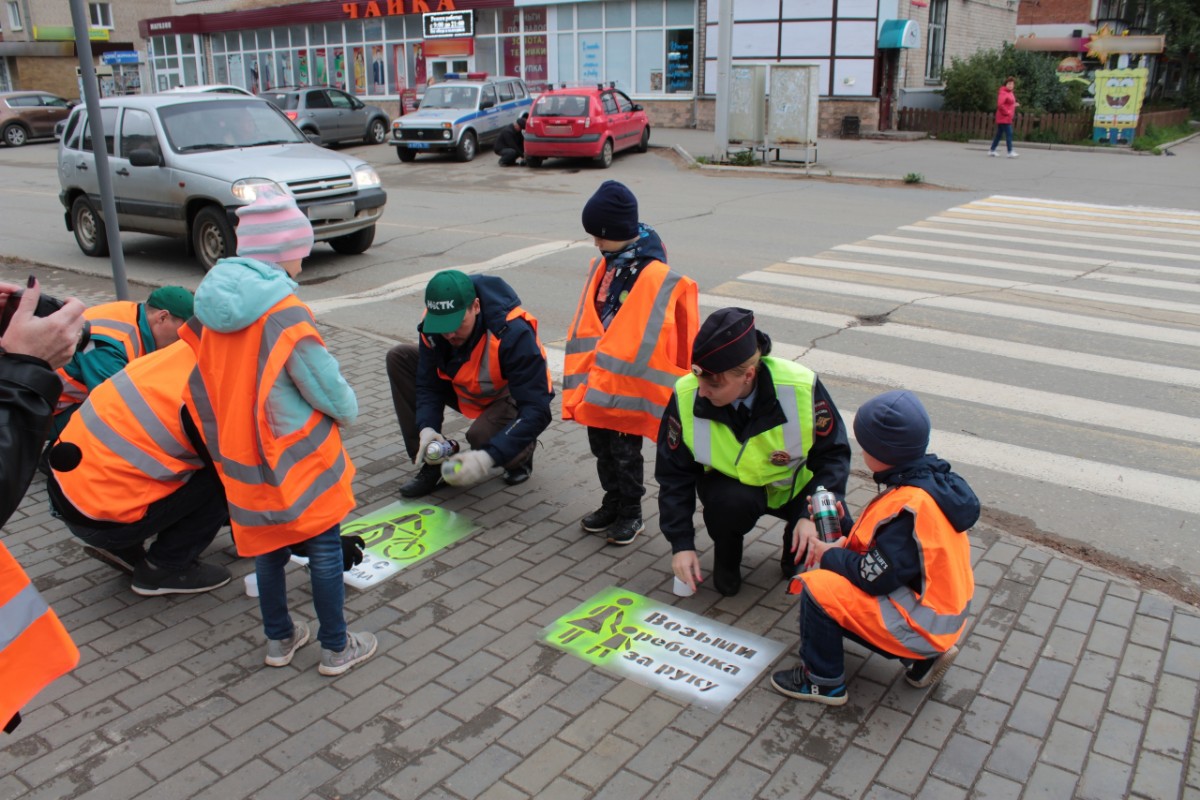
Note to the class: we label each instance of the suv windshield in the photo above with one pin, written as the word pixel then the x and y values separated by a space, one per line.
pixel 193 127
pixel 450 97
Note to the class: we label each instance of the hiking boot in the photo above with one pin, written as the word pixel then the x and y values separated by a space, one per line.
pixel 625 530
pixel 600 520
pixel 428 478
pixel 280 651
pixel 149 580
pixel 795 683
pixel 359 647
pixel 921 674
pixel 121 558
pixel 518 475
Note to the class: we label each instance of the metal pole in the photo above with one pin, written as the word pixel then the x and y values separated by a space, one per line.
pixel 724 62
pixel 91 97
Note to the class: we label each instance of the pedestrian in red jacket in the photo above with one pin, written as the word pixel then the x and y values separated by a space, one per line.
pixel 1006 109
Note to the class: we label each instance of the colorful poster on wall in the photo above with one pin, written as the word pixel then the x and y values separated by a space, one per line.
pixel 682 654
pixel 419 77
pixel 302 67
pixel 318 68
pixel 1119 97
pixel 378 84
pixel 360 71
pixel 400 535
pixel 339 68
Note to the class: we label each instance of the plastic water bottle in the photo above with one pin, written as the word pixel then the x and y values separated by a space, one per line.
pixel 437 452
pixel 825 515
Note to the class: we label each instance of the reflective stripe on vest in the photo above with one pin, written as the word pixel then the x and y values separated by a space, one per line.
pixel 751 463
pixel 112 321
pixel 480 380
pixel 34 646
pixel 272 327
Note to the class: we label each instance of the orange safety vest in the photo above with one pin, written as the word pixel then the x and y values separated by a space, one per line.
pixel 116 321
pixel 281 490
pixel 622 378
pixel 34 646
pixel 130 431
pixel 480 380
pixel 915 625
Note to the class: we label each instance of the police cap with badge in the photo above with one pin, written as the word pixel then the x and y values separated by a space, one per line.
pixel 727 339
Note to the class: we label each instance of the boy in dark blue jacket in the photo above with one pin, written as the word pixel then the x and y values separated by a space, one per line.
pixel 478 352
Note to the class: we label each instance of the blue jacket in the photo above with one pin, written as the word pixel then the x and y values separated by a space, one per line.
pixel 521 363
pixel 232 296
pixel 895 543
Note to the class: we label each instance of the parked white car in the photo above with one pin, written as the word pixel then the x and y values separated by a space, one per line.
pixel 183 163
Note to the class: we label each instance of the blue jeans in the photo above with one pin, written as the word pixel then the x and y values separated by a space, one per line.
pixel 1003 129
pixel 328 589
pixel 821 647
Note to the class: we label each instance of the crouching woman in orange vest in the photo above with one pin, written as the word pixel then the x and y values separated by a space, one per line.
pixel 270 400
pixel 900 583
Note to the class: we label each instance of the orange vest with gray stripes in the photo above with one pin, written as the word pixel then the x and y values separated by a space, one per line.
pixel 622 378
pixel 116 321
pixel 281 489
pixel 908 624
pixel 130 431
pixel 34 646
pixel 480 380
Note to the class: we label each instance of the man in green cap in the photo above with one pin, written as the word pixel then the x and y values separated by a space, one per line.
pixel 121 332
pixel 478 352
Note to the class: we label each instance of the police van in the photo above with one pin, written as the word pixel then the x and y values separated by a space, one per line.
pixel 459 114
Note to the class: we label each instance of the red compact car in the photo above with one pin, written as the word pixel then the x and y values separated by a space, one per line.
pixel 584 123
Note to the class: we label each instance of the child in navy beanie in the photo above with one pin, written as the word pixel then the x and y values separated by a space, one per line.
pixel 630 339
pixel 900 582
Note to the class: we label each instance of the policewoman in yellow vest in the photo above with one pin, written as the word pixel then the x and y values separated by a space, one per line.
pixel 751 436
pixel 900 584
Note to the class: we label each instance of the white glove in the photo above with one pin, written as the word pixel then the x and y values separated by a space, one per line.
pixel 467 469
pixel 427 435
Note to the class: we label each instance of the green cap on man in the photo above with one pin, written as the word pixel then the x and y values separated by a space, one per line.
pixel 174 299
pixel 447 298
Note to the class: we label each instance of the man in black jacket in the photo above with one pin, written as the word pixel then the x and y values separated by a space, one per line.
pixel 478 352
pixel 510 144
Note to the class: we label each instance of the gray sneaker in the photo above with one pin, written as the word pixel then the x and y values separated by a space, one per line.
pixel 359 647
pixel 280 651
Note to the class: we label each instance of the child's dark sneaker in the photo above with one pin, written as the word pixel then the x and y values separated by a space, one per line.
pixel 795 683
pixel 928 672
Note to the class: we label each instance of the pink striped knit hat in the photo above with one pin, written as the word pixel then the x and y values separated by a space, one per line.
pixel 273 229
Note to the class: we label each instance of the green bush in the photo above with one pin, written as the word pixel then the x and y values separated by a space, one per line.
pixel 914 177
pixel 972 83
pixel 1155 136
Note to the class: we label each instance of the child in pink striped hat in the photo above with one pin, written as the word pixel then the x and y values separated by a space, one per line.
pixel 269 401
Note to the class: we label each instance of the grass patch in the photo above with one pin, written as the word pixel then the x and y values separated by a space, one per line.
pixel 914 177
pixel 1156 136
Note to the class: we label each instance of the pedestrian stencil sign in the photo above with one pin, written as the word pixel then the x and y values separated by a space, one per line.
pixel 685 655
pixel 400 535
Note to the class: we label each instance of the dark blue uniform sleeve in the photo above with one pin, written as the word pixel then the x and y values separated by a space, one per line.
pixel 528 377
pixel 829 457
pixel 431 390
pixel 676 471
pixel 892 561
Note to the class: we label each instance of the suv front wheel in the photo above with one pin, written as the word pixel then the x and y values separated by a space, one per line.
pixel 212 236
pixel 467 146
pixel 15 135
pixel 354 243
pixel 90 233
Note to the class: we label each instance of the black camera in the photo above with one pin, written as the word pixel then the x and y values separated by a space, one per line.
pixel 46 306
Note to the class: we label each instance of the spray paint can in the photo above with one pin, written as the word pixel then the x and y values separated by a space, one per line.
pixel 825 515
pixel 437 452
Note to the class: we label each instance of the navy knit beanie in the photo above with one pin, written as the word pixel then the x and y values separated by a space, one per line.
pixel 893 427
pixel 612 213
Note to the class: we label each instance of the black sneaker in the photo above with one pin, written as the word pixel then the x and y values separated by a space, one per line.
pixel 600 520
pixel 123 558
pixel 625 530
pixel 428 478
pixel 518 475
pixel 149 580
pixel 795 683
pixel 928 672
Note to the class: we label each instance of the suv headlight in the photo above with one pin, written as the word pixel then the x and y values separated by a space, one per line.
pixel 247 189
pixel 366 177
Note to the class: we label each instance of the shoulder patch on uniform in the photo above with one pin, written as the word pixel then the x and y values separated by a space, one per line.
pixel 822 419
pixel 873 565
pixel 674 432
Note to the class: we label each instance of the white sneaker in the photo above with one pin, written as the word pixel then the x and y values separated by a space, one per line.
pixel 1013 155
pixel 992 153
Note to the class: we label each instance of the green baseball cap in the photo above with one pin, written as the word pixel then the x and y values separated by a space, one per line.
pixel 447 298
pixel 174 299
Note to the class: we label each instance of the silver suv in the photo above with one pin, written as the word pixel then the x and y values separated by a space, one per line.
pixel 460 114
pixel 183 163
